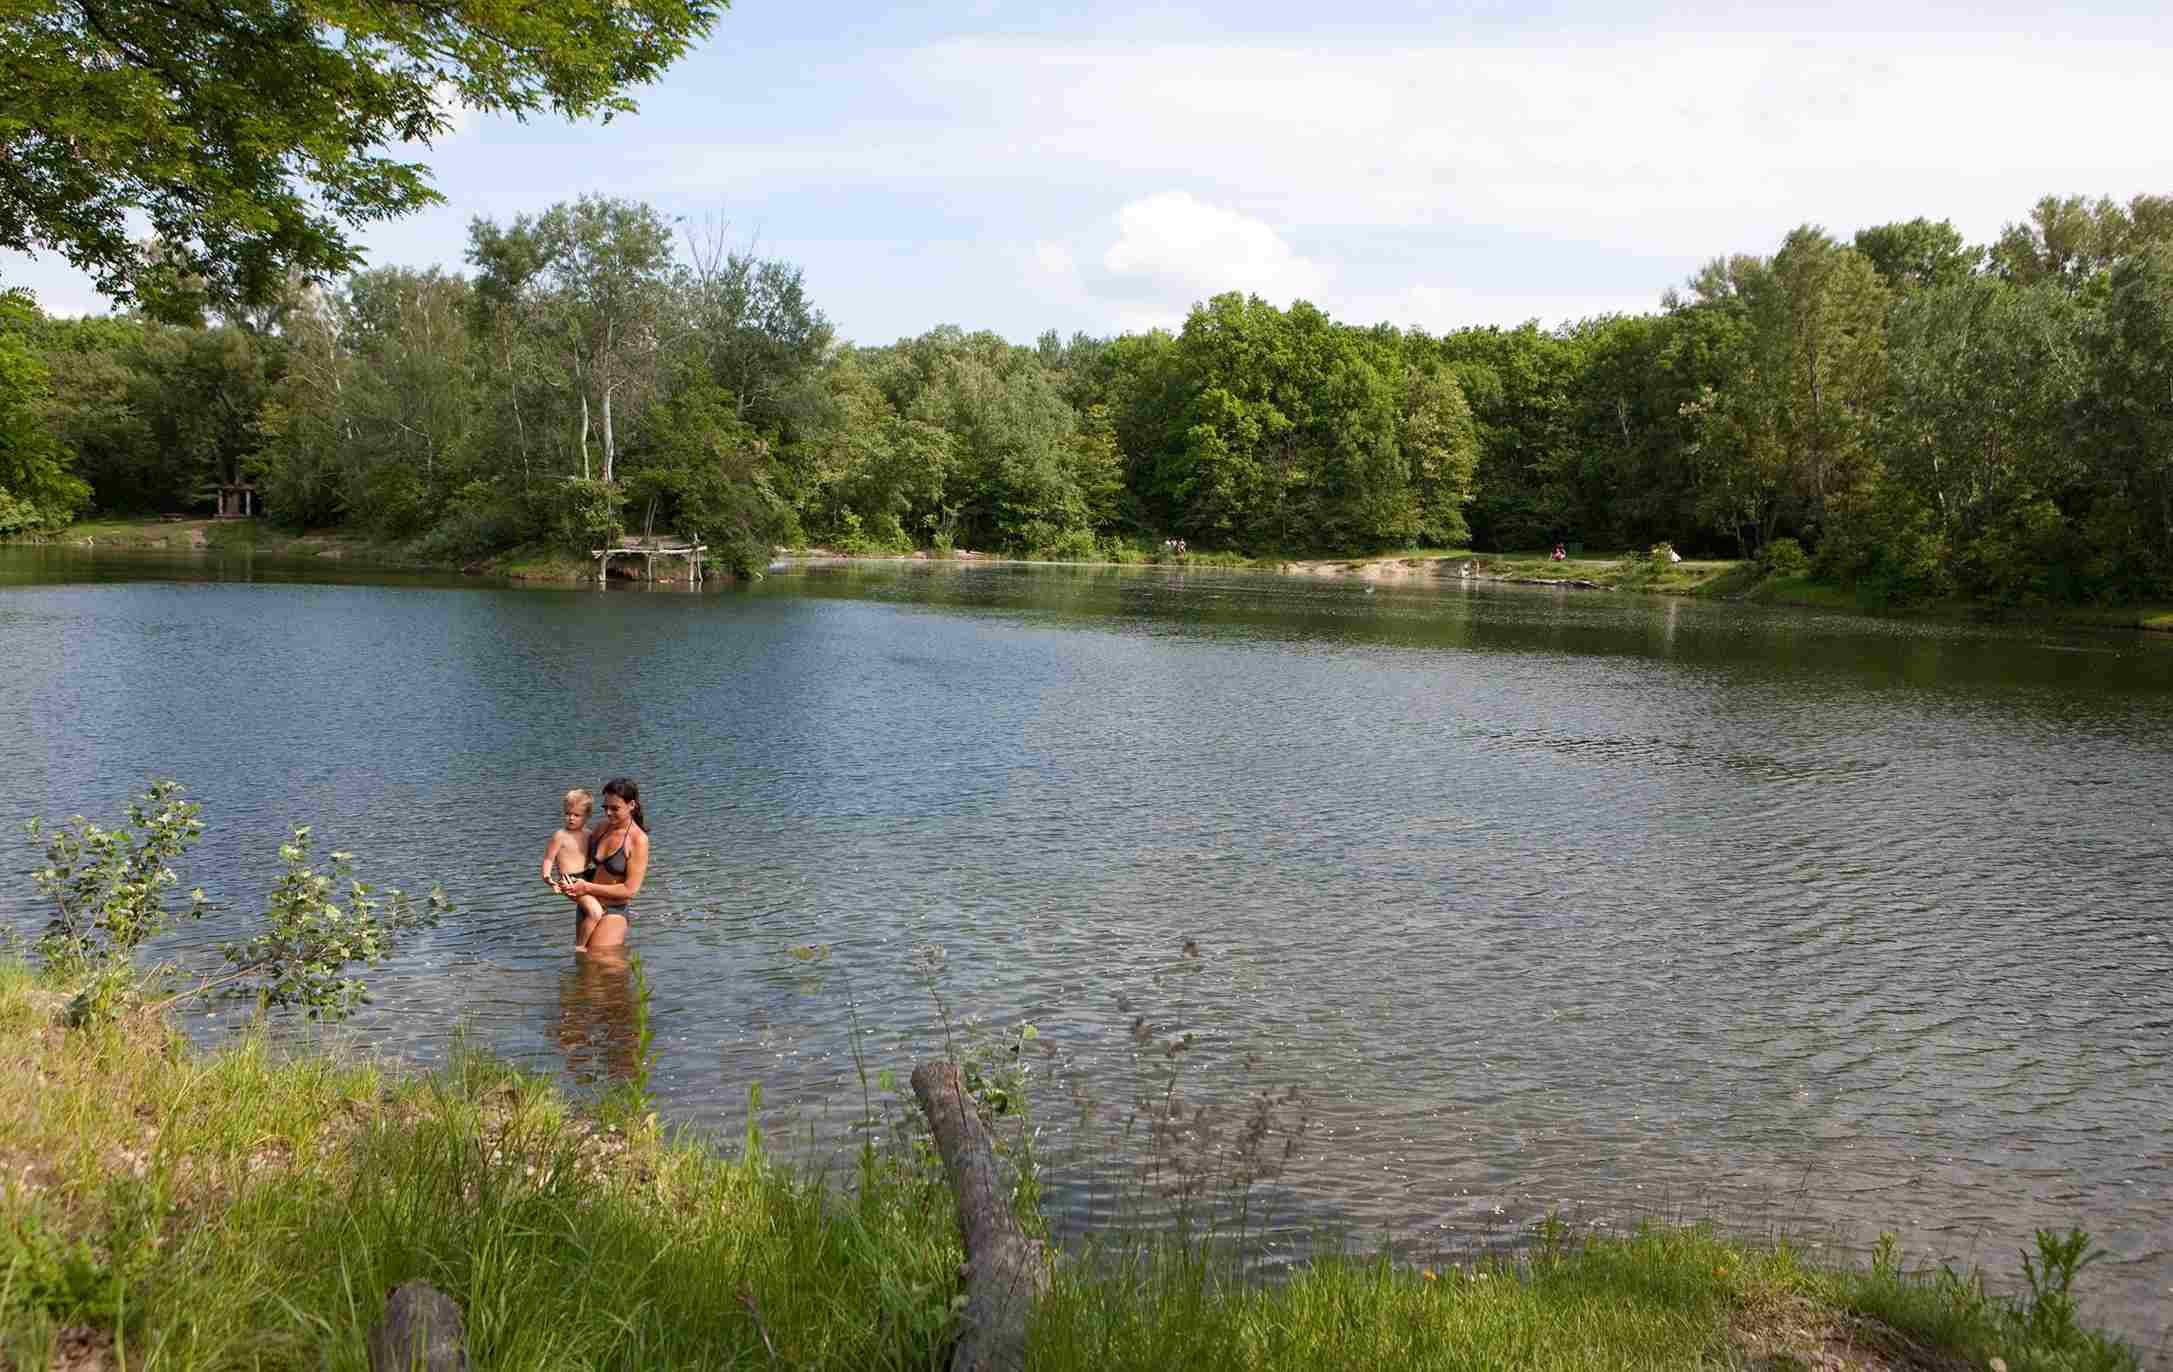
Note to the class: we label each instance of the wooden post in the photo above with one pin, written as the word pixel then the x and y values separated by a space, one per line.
pixel 1005 1271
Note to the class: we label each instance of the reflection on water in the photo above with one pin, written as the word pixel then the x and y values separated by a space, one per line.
pixel 596 1019
pixel 1543 900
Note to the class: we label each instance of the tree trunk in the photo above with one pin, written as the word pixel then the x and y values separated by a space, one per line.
pixel 611 451
pixel 1005 1272
pixel 584 435
pixel 513 399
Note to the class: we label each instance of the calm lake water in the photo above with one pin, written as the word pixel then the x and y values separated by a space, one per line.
pixel 1499 902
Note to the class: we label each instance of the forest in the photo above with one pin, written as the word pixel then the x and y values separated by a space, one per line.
pixel 1901 412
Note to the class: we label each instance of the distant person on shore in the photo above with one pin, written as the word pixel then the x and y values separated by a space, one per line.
pixel 566 857
pixel 1561 554
pixel 618 860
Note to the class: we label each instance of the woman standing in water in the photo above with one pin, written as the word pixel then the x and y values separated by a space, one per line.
pixel 618 860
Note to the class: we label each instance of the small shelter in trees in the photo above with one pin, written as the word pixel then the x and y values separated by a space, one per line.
pixel 238 500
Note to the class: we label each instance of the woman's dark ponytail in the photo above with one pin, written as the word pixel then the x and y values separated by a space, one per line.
pixel 625 789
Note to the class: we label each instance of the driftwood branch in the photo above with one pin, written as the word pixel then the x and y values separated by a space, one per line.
pixel 421 1331
pixel 1005 1271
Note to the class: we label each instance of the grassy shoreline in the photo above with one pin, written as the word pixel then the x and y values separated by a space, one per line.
pixel 263 539
pixel 1732 579
pixel 166 1207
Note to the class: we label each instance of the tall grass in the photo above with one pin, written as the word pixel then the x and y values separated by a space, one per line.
pixel 168 1209
pixel 236 1209
pixel 1651 1300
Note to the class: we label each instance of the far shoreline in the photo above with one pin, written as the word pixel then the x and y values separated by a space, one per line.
pixel 1706 578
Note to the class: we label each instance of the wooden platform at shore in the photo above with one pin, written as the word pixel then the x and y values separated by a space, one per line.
pixel 650 549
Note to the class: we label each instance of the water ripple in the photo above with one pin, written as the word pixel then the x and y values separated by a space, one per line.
pixel 1515 902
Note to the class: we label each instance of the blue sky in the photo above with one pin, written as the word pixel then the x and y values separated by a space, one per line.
pixel 1022 167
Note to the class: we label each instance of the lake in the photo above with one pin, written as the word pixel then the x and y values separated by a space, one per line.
pixel 1428 909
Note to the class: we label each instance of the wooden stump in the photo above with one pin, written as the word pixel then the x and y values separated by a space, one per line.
pixel 421 1331
pixel 1005 1271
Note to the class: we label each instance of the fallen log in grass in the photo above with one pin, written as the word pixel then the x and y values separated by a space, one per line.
pixel 1006 1272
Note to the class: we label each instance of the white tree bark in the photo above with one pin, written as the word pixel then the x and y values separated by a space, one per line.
pixel 611 451
pixel 584 435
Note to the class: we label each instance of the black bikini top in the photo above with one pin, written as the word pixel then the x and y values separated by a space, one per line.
pixel 616 863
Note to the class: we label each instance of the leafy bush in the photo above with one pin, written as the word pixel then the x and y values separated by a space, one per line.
pixel 42 1273
pixel 22 517
pixel 110 886
pixel 1039 538
pixel 302 959
pixel 476 521
pixel 707 476
pixel 1783 557
pixel 2012 557
pixel 1889 543
pixel 397 501
pixel 2118 560
pixel 585 513
pixel 881 533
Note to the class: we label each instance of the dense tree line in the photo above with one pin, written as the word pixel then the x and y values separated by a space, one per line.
pixel 1923 416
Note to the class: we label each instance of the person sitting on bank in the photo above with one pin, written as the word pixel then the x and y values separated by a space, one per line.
pixel 1561 554
pixel 618 853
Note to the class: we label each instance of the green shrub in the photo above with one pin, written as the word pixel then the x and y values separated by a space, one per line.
pixel 2013 556
pixel 1888 543
pixel 398 503
pixel 44 1274
pixel 302 958
pixel 1041 539
pixel 23 517
pixel 587 513
pixel 109 885
pixel 881 533
pixel 1783 557
pixel 477 520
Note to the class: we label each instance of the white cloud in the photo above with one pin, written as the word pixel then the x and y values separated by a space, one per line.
pixel 1172 243
pixel 1670 141
pixel 1549 176
pixel 1146 265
